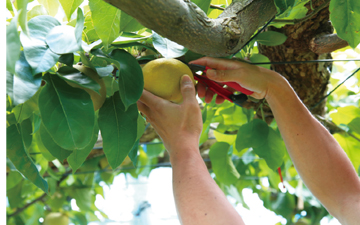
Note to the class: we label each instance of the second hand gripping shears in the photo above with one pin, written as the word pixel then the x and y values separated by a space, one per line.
pixel 219 88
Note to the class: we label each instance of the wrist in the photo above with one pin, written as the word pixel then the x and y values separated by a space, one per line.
pixel 184 151
pixel 278 88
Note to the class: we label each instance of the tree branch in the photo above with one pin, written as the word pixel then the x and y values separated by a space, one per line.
pixel 186 24
pixel 327 43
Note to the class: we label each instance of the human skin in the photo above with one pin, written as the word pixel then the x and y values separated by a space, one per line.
pixel 320 161
pixel 198 198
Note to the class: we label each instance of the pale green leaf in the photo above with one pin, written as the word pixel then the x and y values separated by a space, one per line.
pixel 351 146
pixel 259 58
pixel 70 7
pixel 344 115
pixel 106 20
pixel 24 83
pixel 37 53
pixel 128 23
pixel 62 40
pixel 271 38
pixel 37 10
pixel 51 6
pixel 12 45
pixel 222 164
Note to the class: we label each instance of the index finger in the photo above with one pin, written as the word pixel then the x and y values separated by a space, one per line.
pixel 216 63
pixel 150 99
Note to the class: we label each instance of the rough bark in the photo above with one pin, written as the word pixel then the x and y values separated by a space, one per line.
pixel 183 22
pixel 308 80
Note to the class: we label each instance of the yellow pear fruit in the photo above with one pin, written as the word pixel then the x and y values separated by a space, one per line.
pixel 162 77
pixel 56 218
pixel 97 99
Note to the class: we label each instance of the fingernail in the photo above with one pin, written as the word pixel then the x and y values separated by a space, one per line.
pixel 186 79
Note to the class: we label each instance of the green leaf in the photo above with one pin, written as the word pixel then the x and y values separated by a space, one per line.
pixel 133 154
pixel 118 129
pixel 222 164
pixel 345 17
pixel 154 149
pixel 14 195
pixel 265 142
pixel 228 138
pixel 51 6
pixel 131 81
pixel 84 198
pixel 67 59
pixel 22 8
pixel 70 7
pixel 253 134
pixel 62 40
pixel 67 113
pixel 167 48
pixel 271 38
pixel 37 53
pixel 26 132
pixel 257 58
pixel 354 125
pixel 16 152
pixel 127 39
pixel 351 147
pixel 26 109
pixel 12 179
pixel 128 23
pixel 54 149
pixel 283 5
pixel 106 20
pixel 204 5
pixel 9 6
pixel 12 45
pixel 79 27
pixel 77 158
pixel 74 76
pixel 345 115
pixel 56 201
pixel 38 146
pixel 89 34
pixel 273 151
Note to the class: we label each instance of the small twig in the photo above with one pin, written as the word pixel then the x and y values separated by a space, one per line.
pixel 216 7
pixel 295 21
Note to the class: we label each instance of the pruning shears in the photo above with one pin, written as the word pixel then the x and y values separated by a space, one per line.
pixel 218 88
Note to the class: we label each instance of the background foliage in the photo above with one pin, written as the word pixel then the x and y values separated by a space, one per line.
pixel 56 111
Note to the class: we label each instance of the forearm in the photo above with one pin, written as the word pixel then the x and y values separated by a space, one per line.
pixel 318 158
pixel 198 198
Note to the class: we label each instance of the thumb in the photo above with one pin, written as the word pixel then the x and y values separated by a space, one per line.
pixel 221 75
pixel 187 88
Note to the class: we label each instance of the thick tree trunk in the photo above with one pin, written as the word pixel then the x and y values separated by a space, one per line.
pixel 308 80
pixel 183 22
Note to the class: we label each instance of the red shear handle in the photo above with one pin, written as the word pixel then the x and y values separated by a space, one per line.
pixel 234 85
